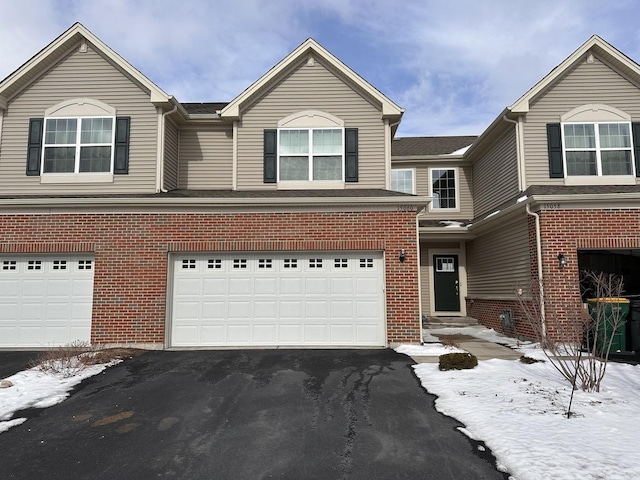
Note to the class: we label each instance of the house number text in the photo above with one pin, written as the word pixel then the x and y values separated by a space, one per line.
pixel 406 208
pixel 550 206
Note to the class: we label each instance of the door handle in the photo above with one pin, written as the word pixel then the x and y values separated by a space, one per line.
pixel 457 288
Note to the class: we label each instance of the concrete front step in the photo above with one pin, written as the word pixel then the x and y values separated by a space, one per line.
pixel 441 322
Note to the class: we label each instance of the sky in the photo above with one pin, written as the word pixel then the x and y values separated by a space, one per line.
pixel 453 65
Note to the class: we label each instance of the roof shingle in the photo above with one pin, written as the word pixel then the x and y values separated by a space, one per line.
pixel 414 146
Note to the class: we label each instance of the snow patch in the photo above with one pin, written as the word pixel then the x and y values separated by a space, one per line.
pixel 429 350
pixel 492 214
pixel 451 223
pixel 461 151
pixel 522 199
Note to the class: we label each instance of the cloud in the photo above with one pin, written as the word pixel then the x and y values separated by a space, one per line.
pixel 452 65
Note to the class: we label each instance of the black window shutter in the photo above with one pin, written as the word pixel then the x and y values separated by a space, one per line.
pixel 635 130
pixel 270 172
pixel 121 156
pixel 351 154
pixel 34 146
pixel 554 145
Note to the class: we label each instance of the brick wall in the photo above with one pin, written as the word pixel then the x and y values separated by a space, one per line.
pixel 566 232
pixel 131 257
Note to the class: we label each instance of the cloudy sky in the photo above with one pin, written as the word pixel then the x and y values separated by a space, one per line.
pixel 452 64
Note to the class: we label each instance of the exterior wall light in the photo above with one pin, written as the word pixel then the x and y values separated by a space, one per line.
pixel 403 255
pixel 562 260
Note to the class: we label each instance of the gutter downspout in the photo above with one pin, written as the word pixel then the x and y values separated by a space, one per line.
pixel 161 134
pixel 540 277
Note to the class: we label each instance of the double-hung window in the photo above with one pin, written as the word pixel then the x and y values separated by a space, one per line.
pixel 402 180
pixel 78 145
pixel 598 149
pixel 443 188
pixel 311 154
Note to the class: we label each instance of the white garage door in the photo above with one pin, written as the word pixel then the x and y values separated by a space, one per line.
pixel 292 299
pixel 45 301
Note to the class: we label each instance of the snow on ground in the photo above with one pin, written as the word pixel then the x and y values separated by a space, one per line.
pixel 519 411
pixel 429 350
pixel 36 389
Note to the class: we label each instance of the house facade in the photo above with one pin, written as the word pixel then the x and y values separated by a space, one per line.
pixel 127 217
pixel 549 189
pixel 291 216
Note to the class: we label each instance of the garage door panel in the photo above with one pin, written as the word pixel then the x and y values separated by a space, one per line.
pixel 240 286
pixel 367 334
pixel 279 298
pixel 266 286
pixel 239 334
pixel 316 334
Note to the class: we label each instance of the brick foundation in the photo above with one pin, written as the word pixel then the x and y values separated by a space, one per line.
pixel 131 257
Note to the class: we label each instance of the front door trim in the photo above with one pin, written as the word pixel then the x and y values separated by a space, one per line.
pixel 462 276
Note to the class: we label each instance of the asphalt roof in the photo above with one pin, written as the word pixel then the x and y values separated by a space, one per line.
pixel 204 107
pixel 414 146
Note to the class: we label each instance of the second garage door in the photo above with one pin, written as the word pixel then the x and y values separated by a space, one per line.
pixel 270 299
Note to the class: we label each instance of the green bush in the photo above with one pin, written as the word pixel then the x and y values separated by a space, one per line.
pixel 457 361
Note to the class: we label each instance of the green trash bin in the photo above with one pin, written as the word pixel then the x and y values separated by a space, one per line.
pixel 612 310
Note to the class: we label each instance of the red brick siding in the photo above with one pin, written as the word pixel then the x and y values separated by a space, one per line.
pixel 487 312
pixel 131 257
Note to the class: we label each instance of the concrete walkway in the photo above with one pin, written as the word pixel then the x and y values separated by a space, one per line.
pixel 483 349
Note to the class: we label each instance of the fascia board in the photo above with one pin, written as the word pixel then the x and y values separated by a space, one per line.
pixel 73 202
pixel 493 220
pixel 157 95
pixel 589 198
pixel 389 108
pixel 443 233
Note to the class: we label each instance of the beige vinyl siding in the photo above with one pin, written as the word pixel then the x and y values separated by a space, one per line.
pixel 206 157
pixel 80 75
pixel 587 83
pixel 495 175
pixel 464 193
pixel 498 261
pixel 425 266
pixel 170 155
pixel 312 88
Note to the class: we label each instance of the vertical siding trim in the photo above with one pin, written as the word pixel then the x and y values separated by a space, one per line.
pixel 1 118
pixel 387 159
pixel 159 149
pixel 234 160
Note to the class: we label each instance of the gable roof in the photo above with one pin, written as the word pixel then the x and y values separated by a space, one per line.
pixel 597 45
pixel 389 108
pixel 418 146
pixel 53 52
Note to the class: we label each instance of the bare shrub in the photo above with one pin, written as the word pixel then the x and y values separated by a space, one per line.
pixel 579 347
pixel 71 359
pixel 66 360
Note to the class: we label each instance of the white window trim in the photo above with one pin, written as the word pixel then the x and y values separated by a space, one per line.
pixel 76 176
pixel 310 183
pixel 599 178
pixel 456 172
pixel 413 178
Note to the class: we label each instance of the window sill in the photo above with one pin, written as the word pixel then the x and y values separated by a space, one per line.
pixel 76 178
pixel 311 185
pixel 603 180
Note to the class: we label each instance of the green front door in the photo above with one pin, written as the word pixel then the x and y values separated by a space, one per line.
pixel 446 283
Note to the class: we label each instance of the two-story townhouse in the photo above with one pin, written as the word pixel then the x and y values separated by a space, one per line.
pixel 127 217
pixel 553 189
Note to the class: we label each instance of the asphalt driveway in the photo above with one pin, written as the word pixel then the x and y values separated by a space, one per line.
pixel 251 414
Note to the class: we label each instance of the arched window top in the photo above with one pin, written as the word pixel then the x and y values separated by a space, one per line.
pixel 80 107
pixel 310 119
pixel 595 112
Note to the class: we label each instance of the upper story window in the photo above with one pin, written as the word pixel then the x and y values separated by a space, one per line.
pixel 311 149
pixel 444 188
pixel 78 145
pixel 598 148
pixel 311 154
pixel 403 180
pixel 78 141
pixel 594 144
